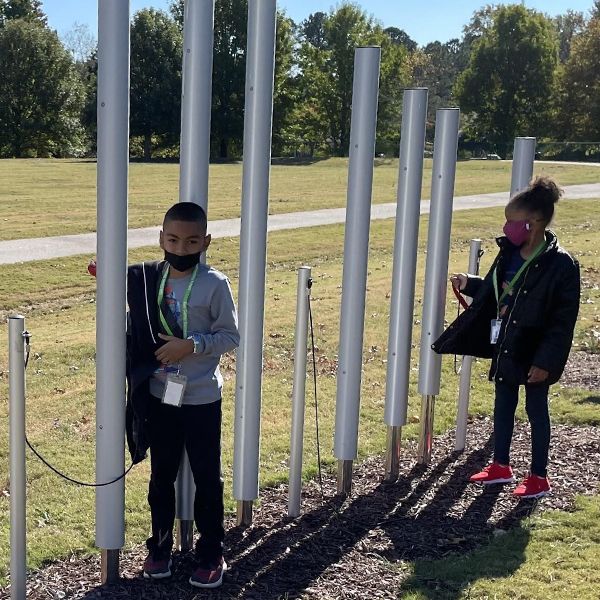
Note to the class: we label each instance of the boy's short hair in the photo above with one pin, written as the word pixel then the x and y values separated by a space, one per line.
pixel 186 211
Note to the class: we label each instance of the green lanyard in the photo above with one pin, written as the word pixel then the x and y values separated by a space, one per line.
pixel 184 304
pixel 518 274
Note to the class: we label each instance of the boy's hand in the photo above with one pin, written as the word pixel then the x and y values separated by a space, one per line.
pixel 537 375
pixel 174 350
pixel 459 281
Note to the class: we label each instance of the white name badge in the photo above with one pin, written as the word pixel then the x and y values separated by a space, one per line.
pixel 174 389
pixel 495 330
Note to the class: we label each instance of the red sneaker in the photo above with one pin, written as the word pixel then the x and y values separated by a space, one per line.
pixel 157 566
pixel 494 473
pixel 533 486
pixel 209 574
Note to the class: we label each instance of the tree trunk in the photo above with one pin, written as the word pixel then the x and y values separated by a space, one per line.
pixel 147 146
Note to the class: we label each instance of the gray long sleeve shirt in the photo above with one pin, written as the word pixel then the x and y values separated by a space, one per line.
pixel 212 316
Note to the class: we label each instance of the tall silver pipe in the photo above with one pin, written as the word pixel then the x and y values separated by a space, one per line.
pixel 113 166
pixel 365 92
pixel 410 178
pixel 464 388
pixel 196 103
pixel 260 65
pixel 522 164
pixel 18 477
pixel 298 392
pixel 436 268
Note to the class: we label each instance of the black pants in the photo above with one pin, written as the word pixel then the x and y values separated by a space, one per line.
pixel 199 428
pixel 536 405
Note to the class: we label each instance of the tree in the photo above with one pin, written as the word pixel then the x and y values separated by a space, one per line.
pixel 399 36
pixel 28 10
pixel 438 71
pixel 41 96
pixel 156 57
pixel 579 99
pixel 508 84
pixel 284 91
pixel 313 29
pixel 229 74
pixel 481 22
pixel 80 42
pixel 327 71
pixel 568 26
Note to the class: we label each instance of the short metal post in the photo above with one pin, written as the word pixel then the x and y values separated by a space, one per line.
pixel 113 167
pixel 365 91
pixel 436 268
pixel 258 118
pixel 344 476
pixel 298 392
pixel 392 454
pixel 16 414
pixel 410 177
pixel 464 388
pixel 109 566
pixel 522 164
pixel 244 513
pixel 426 439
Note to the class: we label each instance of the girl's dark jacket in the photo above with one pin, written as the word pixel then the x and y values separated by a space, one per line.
pixel 142 342
pixel 538 328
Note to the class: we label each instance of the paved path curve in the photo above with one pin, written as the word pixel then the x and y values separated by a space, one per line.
pixel 26 250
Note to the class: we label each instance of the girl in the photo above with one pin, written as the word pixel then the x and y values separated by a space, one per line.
pixel 522 317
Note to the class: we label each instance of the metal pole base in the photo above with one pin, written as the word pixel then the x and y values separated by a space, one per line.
pixel 185 535
pixel 392 453
pixel 109 566
pixel 344 478
pixel 426 439
pixel 244 513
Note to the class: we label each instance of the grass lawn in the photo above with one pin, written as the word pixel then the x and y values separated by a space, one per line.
pixel 58 298
pixel 43 197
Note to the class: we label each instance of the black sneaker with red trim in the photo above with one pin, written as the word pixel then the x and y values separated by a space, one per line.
pixel 157 565
pixel 209 573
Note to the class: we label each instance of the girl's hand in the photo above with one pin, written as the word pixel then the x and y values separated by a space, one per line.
pixel 537 375
pixel 174 350
pixel 459 281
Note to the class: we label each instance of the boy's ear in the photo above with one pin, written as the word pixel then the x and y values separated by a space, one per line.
pixel 207 241
pixel 161 242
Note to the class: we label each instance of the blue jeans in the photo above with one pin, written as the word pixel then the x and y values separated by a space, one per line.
pixel 536 405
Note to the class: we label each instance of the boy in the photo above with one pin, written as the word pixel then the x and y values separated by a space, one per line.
pixel 182 318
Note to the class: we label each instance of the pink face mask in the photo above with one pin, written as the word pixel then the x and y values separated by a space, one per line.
pixel 517 232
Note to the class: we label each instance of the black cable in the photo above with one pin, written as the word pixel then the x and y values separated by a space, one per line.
pixel 27 336
pixel 314 361
pixel 76 481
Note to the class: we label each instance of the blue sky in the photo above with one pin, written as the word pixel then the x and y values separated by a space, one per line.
pixel 423 20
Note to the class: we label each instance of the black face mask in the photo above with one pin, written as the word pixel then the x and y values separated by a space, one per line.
pixel 182 263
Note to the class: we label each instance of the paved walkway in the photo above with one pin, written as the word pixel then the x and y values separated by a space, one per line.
pixel 14 251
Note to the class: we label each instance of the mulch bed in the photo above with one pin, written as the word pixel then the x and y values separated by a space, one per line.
pixel 357 546
pixel 582 371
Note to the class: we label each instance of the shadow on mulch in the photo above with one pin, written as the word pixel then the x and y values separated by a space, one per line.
pixel 362 545
pixel 589 400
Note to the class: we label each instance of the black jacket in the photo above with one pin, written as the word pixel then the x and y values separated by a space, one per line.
pixel 538 329
pixel 142 341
